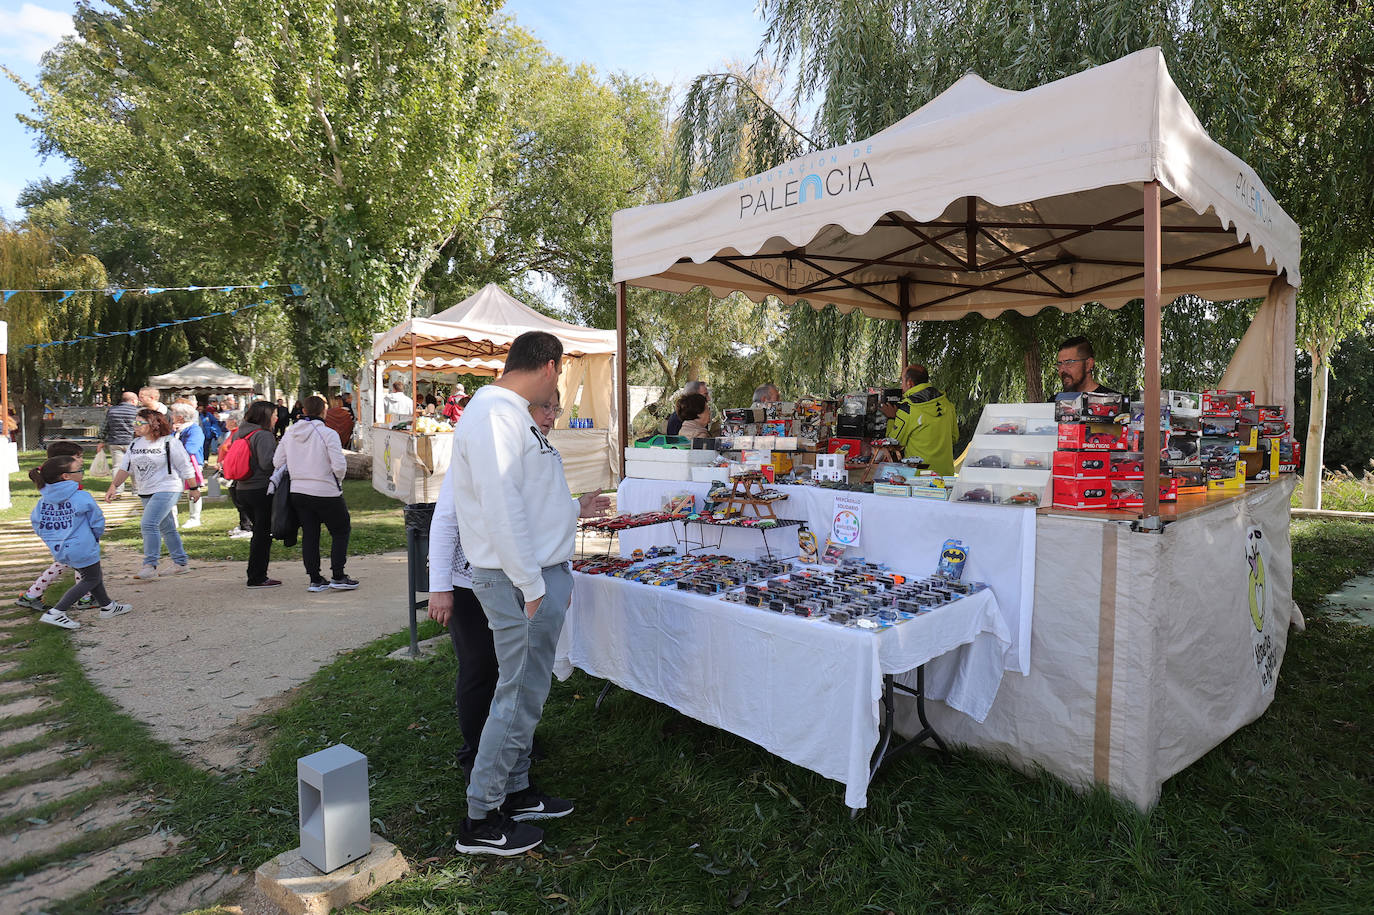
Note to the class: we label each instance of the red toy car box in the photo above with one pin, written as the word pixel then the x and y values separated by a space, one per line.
pixel 1082 494
pixel 1081 465
pixel 1127 465
pixel 1092 437
pixel 1226 403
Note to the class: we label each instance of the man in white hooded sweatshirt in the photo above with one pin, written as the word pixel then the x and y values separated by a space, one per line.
pixel 518 521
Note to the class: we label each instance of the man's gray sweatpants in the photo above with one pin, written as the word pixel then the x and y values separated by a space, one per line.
pixel 524 657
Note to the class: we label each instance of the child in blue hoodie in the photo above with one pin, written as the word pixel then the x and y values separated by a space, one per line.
pixel 70 522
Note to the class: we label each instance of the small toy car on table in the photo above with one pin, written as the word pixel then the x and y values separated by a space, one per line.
pixel 978 495
pixel 1005 429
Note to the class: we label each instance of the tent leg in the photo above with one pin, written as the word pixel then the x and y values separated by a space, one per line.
pixel 904 306
pixel 622 393
pixel 1150 434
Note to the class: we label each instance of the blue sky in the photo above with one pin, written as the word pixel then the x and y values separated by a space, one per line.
pixel 671 41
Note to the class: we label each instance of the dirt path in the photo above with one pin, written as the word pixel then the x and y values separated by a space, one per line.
pixel 201 654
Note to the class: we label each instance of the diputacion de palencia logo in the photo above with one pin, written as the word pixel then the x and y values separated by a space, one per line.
pixel 1257 593
pixel 807 179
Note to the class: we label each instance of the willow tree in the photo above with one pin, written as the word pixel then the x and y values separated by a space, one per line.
pixel 1285 86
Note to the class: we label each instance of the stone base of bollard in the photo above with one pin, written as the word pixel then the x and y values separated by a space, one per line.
pixel 295 884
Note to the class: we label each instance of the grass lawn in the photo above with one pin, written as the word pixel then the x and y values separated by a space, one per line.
pixel 677 817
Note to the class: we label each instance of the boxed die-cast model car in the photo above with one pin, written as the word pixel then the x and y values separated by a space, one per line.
pixel 1092 437
pixel 1081 465
pixel 1127 465
pixel 1082 494
pixel 1226 403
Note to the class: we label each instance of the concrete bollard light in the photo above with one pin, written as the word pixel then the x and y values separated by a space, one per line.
pixel 335 813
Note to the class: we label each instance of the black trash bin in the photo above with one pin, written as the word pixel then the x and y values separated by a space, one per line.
pixel 419 516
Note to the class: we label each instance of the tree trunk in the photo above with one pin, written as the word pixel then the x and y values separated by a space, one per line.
pixel 1024 328
pixel 1316 431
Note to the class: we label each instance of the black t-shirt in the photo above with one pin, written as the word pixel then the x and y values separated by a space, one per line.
pixel 1101 389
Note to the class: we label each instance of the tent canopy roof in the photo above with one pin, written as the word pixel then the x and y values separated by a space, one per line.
pixel 479 328
pixel 983 200
pixel 203 374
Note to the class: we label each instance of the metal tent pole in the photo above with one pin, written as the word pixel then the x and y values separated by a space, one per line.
pixel 1150 437
pixel 621 375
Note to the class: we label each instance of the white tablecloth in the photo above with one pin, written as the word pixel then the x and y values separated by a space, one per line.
pixel 805 690
pixel 907 534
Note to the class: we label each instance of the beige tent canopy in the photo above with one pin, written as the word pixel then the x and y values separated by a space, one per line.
pixel 204 375
pixel 475 335
pixel 1099 187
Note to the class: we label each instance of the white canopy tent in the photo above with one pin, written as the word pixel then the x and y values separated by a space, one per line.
pixel 1099 187
pixel 205 375
pixel 473 337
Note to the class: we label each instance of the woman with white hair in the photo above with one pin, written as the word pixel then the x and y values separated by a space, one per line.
pixel 186 424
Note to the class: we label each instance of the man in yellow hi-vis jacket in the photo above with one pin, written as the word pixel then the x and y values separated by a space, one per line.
pixel 923 421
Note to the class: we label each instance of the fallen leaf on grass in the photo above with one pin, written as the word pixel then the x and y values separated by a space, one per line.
pixel 559 896
pixel 634 820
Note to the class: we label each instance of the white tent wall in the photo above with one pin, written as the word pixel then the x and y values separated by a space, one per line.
pixel 1151 657
pixel 1264 361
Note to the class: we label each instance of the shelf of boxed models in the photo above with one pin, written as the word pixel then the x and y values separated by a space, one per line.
pixel 1210 444
pixel 1009 456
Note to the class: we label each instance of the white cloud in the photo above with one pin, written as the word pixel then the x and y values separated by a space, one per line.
pixel 30 31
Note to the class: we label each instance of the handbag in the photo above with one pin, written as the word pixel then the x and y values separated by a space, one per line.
pixel 285 524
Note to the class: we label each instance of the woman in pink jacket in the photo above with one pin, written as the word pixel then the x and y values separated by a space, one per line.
pixel 311 452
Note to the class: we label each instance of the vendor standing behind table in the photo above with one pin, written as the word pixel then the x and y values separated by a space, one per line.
pixel 1077 367
pixel 695 414
pixel 397 403
pixel 767 393
pixel 923 421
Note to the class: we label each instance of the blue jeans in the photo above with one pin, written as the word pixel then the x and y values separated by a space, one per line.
pixel 524 657
pixel 159 523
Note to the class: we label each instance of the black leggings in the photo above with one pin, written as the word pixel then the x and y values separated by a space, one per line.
pixel 477 669
pixel 89 581
pixel 332 512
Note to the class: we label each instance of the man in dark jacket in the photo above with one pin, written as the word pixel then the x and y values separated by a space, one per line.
pixel 250 493
pixel 118 433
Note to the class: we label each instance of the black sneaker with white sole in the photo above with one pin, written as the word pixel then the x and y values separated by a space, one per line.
pixel 497 834
pixel 533 804
pixel 343 583
pixel 317 586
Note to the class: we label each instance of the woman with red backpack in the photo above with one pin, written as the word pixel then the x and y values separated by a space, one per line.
pixel 250 480
pixel 453 407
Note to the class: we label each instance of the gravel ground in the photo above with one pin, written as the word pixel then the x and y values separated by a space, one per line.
pixel 201 654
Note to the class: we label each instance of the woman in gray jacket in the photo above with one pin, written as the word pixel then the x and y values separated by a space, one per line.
pixel 311 452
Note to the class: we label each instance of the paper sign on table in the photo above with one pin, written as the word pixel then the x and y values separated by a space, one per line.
pixel 847 525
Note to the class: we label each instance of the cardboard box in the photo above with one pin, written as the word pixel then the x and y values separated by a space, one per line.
pixel 1226 403
pixel 1092 437
pixel 1189 480
pixel 1218 450
pixel 1236 480
pixel 1127 465
pixel 1082 494
pixel 891 489
pixel 1081 465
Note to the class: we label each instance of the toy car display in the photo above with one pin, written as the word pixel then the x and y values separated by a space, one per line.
pixel 979 495
pixel 990 460
pixel 1005 429
pixel 1024 497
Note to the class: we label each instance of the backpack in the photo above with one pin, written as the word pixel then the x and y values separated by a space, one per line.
pixel 238 460
pixel 452 408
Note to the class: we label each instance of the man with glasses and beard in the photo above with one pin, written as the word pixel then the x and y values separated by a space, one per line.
pixel 1076 367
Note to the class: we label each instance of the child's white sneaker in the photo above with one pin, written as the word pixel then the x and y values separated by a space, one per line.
pixel 55 617
pixel 114 608
pixel 190 523
pixel 147 573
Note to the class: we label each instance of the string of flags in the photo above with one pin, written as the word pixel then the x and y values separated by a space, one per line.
pixel 116 292
pixel 144 330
